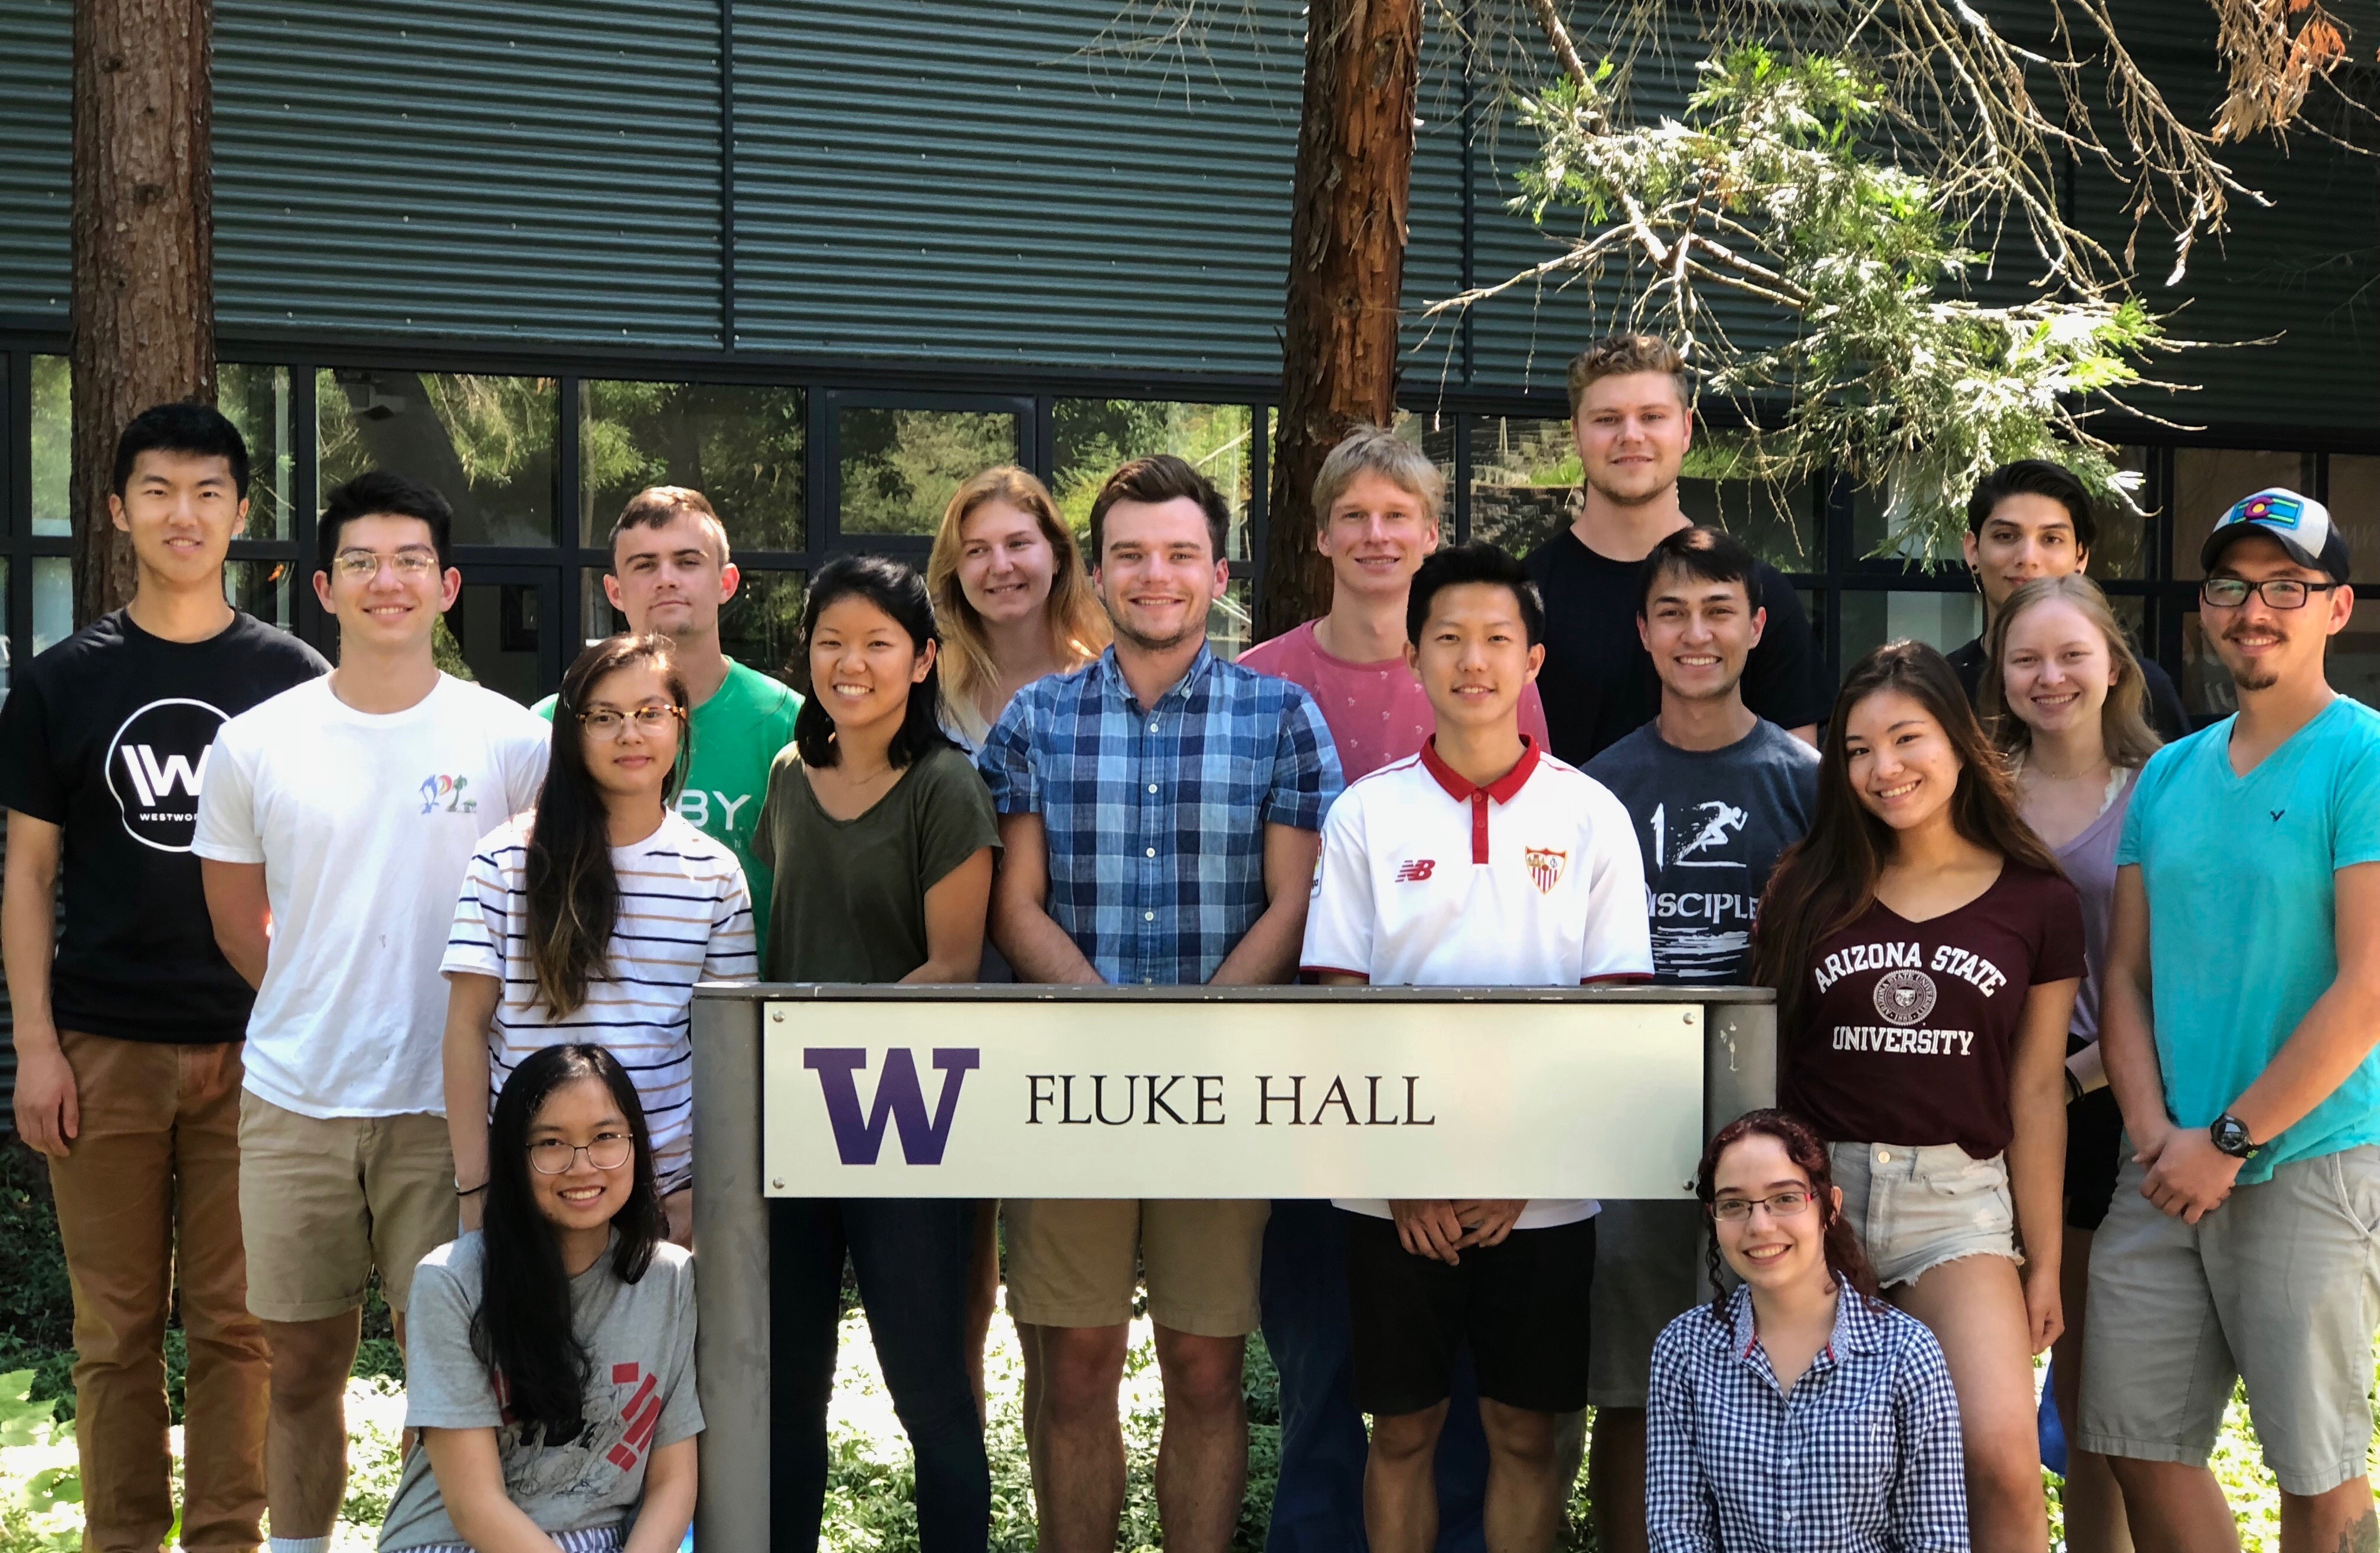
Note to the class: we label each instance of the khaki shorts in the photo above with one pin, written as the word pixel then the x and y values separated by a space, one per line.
pixel 1917 1207
pixel 1071 1262
pixel 324 1201
pixel 2280 1287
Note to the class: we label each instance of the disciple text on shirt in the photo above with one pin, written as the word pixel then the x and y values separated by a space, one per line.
pixel 1144 1096
pixel 1712 906
pixel 1967 965
pixel 1892 1039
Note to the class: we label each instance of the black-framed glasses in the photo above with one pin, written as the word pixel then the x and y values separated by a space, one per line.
pixel 608 1152
pixel 1788 1203
pixel 2280 593
pixel 606 723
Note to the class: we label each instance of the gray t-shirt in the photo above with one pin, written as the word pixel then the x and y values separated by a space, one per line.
pixel 1710 824
pixel 640 1397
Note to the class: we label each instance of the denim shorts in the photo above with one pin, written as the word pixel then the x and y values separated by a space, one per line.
pixel 1916 1208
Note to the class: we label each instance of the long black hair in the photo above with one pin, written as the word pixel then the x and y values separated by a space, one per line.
pixel 900 593
pixel 522 1330
pixel 573 896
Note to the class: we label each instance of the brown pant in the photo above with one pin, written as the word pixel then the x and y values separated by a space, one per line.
pixel 149 1188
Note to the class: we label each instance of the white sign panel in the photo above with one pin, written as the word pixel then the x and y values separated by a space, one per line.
pixel 1013 1098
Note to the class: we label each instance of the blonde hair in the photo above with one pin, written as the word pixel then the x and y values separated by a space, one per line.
pixel 1617 356
pixel 1369 450
pixel 1078 626
pixel 657 506
pixel 2124 731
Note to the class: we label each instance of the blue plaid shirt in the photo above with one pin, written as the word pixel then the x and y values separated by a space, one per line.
pixel 1156 816
pixel 1862 1457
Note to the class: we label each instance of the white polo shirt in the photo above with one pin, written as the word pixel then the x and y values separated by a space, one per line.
pixel 1427 880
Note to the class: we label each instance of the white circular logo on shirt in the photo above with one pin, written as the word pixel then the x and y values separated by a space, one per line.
pixel 157 763
pixel 1904 997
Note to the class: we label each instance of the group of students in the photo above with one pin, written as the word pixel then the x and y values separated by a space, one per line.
pixel 369 971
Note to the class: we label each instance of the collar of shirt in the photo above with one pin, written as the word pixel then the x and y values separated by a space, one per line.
pixel 1857 1331
pixel 1463 790
pixel 1111 676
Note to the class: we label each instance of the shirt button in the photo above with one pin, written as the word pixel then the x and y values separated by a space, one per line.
pixel 1149 917
pixel 1152 852
pixel 1152 787
pixel 1152 727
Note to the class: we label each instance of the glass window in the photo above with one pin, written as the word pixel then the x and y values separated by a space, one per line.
pixel 52 442
pixel 1525 478
pixel 900 467
pixel 741 447
pixel 596 618
pixel 1434 436
pixel 486 443
pixel 496 626
pixel 762 627
pixel 2353 498
pixel 2206 480
pixel 1231 620
pixel 261 588
pixel 1775 522
pixel 256 399
pixel 8 642
pixel 2208 691
pixel 1872 539
pixel 1091 437
pixel 1947 620
pixel 53 602
pixel 2123 548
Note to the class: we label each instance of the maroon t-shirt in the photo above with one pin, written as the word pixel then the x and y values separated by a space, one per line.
pixel 1912 1025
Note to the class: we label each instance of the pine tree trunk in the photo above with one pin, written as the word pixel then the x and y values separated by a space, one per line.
pixel 1346 269
pixel 144 249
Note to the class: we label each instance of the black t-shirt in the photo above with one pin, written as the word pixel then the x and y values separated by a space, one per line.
pixel 2164 708
pixel 1599 683
pixel 106 735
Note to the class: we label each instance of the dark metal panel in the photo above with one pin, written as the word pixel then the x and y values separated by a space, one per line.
pixel 36 106
pixel 536 169
pixel 1044 181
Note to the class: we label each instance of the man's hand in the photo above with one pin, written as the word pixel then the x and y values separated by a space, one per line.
pixel 2189 1176
pixel 1487 1220
pixel 1429 1227
pixel 49 1109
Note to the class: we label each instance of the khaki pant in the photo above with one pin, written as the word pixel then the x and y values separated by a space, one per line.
pixel 148 1195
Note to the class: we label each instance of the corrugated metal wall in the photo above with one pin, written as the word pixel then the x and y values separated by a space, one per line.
pixel 1046 183
pixel 546 169
pixel 35 139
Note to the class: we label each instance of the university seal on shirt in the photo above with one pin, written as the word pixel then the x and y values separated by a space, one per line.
pixel 156 764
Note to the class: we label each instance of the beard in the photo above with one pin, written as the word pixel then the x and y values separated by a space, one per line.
pixel 1654 491
pixel 1193 626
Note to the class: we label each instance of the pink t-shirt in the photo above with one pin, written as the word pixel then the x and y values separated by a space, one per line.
pixel 1377 712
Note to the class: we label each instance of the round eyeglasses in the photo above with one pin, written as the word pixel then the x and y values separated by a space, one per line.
pixel 608 1152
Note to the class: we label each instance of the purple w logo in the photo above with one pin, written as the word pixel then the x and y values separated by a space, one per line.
pixel 898 1096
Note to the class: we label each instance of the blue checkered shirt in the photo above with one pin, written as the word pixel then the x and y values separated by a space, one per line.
pixel 1156 816
pixel 1863 1456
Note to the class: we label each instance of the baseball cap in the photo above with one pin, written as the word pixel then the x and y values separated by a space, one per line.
pixel 2301 525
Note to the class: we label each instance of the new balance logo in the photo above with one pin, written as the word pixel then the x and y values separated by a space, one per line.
pixel 1416 870
pixel 899 1100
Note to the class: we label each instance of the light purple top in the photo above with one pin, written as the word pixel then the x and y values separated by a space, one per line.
pixel 2089 861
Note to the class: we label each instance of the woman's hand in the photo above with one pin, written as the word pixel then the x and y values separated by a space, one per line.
pixel 2045 1308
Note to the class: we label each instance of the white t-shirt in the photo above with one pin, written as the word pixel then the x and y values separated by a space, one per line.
pixel 1425 880
pixel 364 823
pixel 684 917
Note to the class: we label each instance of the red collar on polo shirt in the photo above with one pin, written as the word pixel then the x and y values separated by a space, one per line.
pixel 1463 791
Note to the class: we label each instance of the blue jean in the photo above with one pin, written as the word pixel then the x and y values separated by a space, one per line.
pixel 910 1256
pixel 1318 1505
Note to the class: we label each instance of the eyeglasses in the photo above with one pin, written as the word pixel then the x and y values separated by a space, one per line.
pixel 358 565
pixel 1784 1205
pixel 605 722
pixel 608 1152
pixel 2280 593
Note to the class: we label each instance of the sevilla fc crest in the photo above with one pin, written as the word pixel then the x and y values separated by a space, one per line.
pixel 1545 866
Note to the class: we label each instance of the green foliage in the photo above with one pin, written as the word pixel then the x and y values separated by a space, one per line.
pixel 901 467
pixel 37 1513
pixel 1773 192
pixel 36 1303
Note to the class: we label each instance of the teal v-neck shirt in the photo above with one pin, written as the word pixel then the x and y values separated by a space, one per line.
pixel 2243 915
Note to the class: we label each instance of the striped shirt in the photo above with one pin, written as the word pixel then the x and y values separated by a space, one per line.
pixel 684 917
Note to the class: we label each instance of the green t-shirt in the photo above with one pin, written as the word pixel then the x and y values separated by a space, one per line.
pixel 736 734
pixel 856 909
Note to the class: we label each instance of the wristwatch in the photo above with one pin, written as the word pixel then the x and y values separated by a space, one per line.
pixel 2231 1135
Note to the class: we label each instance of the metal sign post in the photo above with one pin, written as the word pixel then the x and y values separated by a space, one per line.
pixel 979 1091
